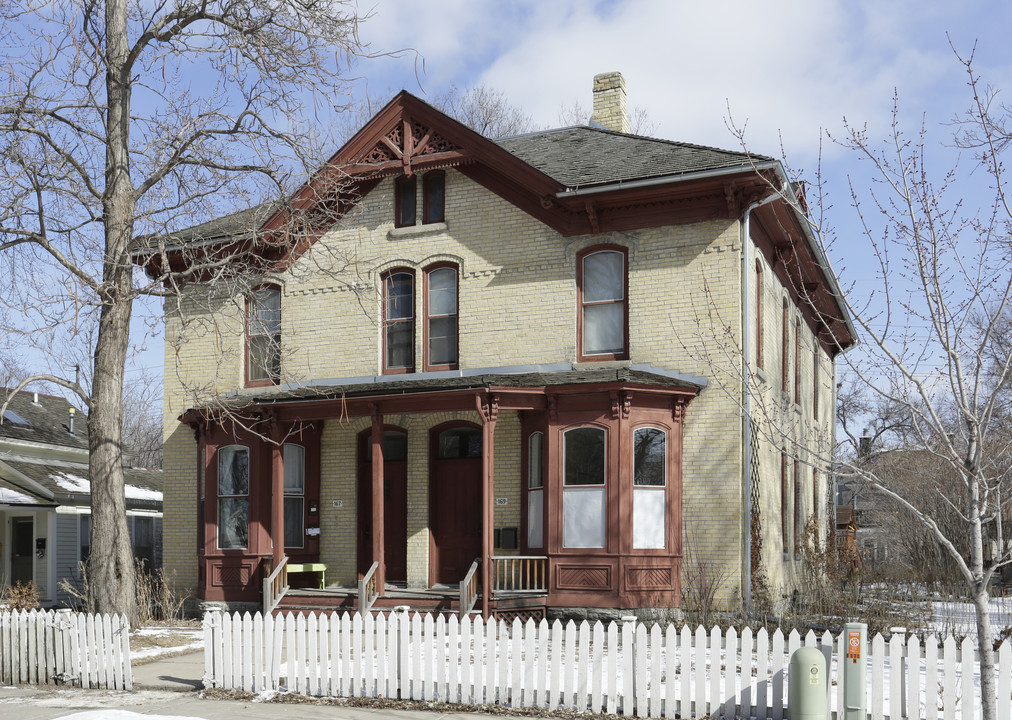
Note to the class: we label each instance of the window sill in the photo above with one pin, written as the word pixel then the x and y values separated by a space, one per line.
pixel 412 231
pixel 761 375
pixel 599 364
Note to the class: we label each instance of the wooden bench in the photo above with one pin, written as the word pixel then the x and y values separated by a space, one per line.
pixel 319 569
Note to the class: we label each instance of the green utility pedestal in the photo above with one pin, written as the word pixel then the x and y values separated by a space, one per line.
pixel 807 697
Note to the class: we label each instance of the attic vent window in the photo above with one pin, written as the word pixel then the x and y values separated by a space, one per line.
pixel 14 419
pixel 433 199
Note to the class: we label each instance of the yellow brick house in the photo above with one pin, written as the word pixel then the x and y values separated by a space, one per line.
pixel 501 372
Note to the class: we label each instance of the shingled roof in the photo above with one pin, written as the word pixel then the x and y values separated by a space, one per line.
pixel 582 155
pixel 48 420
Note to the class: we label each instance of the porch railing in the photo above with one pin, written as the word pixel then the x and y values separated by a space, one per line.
pixel 368 590
pixel 519 574
pixel 276 585
pixel 469 589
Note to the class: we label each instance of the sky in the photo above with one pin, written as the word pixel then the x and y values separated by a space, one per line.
pixel 789 72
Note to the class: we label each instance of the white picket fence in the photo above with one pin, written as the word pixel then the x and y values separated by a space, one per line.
pixel 616 668
pixel 57 647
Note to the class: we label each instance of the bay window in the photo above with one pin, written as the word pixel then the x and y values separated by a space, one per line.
pixel 602 320
pixel 649 489
pixel 584 519
pixel 233 497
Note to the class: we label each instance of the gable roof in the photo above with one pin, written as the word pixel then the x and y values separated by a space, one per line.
pixel 48 420
pixel 578 181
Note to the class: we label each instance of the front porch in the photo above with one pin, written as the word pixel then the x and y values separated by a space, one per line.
pixel 519 589
pixel 495 493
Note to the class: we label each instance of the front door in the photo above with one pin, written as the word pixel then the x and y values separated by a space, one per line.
pixel 455 501
pixel 22 550
pixel 395 504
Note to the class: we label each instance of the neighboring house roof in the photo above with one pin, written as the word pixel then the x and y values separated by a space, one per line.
pixel 69 481
pixel 582 155
pixel 48 419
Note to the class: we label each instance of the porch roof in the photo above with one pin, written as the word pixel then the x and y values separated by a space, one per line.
pixel 489 379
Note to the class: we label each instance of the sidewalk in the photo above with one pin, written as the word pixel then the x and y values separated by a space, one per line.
pixel 169 688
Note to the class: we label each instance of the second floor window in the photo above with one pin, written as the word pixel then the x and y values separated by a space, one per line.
pixel 441 318
pixel 603 313
pixel 399 322
pixel 758 314
pixel 263 336
pixel 784 335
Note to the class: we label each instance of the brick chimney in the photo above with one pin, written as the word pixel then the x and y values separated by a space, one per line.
pixel 609 102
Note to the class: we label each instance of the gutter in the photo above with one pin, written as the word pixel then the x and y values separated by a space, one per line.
pixel 746 391
pixel 668 179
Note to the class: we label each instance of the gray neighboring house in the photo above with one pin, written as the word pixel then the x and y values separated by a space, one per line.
pixel 45 496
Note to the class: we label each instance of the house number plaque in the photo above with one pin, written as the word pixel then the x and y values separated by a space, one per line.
pixel 502 501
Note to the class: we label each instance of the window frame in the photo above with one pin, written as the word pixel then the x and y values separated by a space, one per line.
pixel 759 359
pixel 647 490
pixel 534 461
pixel 797 508
pixel 784 347
pixel 219 496
pixel 427 317
pixel 784 509
pixel 577 489
pixel 400 184
pixel 581 258
pixel 797 361
pixel 300 496
pixel 250 335
pixel 427 179
pixel 387 323
pixel 815 379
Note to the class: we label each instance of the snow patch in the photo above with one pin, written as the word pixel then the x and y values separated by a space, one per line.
pixel 73 483
pixel 13 497
pixel 110 714
pixel 136 493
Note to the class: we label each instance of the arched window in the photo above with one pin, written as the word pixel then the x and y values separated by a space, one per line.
pixel 602 320
pixel 441 349
pixel 784 336
pixel 233 497
pixel 263 336
pixel 399 321
pixel 650 475
pixel 584 507
pixel 295 495
pixel 535 491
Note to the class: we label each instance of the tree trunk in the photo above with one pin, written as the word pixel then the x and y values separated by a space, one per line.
pixel 982 603
pixel 111 563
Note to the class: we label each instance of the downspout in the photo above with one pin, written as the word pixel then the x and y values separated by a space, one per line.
pixel 746 392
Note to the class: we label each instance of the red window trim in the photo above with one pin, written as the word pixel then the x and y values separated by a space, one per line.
pixel 784 527
pixel 797 508
pixel 426 179
pixel 398 184
pixel 759 314
pixel 797 361
pixel 266 382
pixel 624 355
pixel 426 318
pixel 785 334
pixel 383 279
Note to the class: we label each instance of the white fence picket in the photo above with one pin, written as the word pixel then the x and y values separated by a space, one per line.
pixel 663 672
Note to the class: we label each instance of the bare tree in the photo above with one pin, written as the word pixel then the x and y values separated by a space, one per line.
pixel 120 121
pixel 640 122
pixel 142 421
pixel 485 110
pixel 938 242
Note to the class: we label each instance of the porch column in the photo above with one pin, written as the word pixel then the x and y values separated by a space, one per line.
pixel 377 498
pixel 277 493
pixel 488 407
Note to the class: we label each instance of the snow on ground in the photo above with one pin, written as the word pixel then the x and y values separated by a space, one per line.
pixel 960 618
pixel 153 641
pixel 121 715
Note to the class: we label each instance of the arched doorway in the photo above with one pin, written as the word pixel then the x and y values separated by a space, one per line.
pixel 454 500
pixel 395 502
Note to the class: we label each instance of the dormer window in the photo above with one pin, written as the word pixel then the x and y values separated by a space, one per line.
pixel 263 336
